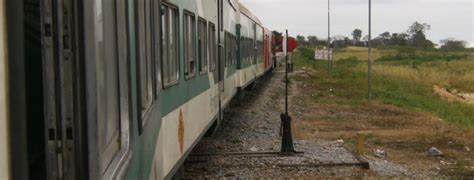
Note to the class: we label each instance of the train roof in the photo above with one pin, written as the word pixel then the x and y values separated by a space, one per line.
pixel 249 14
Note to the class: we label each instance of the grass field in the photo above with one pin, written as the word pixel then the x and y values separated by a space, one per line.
pixel 404 78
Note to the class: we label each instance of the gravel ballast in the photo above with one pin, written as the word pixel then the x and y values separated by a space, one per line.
pixel 252 124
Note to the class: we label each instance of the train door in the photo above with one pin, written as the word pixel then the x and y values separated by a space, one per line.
pixel 63 90
pixel 254 49
pixel 86 88
pixel 220 43
pixel 265 60
pixel 220 53
pixel 255 55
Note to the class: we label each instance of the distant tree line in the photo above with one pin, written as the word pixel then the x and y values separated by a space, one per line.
pixel 414 37
pixel 311 41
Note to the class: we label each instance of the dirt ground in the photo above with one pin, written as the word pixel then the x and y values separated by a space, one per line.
pixel 404 135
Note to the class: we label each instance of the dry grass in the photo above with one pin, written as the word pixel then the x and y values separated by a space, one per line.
pixel 456 74
pixel 404 134
pixel 407 116
pixel 361 53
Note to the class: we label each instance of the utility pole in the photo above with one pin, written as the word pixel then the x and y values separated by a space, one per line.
pixel 370 53
pixel 329 38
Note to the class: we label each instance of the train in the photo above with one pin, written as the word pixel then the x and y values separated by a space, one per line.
pixel 120 89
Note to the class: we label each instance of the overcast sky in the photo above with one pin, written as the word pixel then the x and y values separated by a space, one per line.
pixel 448 18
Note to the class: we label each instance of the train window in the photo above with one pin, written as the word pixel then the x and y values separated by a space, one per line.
pixel 170 48
pixel 234 49
pixel 229 49
pixel 111 139
pixel 189 44
pixel 258 51
pixel 226 42
pixel 144 57
pixel 240 47
pixel 242 51
pixel 202 45
pixel 212 47
pixel 245 49
pixel 254 51
pixel 247 52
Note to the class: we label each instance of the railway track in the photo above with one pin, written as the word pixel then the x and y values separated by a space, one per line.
pixel 252 149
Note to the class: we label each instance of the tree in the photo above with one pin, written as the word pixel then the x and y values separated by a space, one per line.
pixel 366 38
pixel 451 44
pixel 399 39
pixel 301 39
pixel 385 35
pixel 417 27
pixel 384 39
pixel 313 40
pixel 340 41
pixel 357 34
pixel 417 35
pixel 276 33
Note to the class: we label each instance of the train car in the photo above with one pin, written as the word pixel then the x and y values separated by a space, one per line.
pixel 118 89
pixel 267 50
pixel 193 104
pixel 230 20
pixel 250 48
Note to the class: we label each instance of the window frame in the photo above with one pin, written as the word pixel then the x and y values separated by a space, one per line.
pixel 187 61
pixel 148 57
pixel 167 84
pixel 212 44
pixel 156 43
pixel 226 49
pixel 232 48
pixel 95 60
pixel 203 59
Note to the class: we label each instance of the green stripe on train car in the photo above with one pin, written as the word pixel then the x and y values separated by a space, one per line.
pixel 185 90
pixel 142 146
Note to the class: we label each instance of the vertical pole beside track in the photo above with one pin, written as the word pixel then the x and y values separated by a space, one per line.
pixel 329 38
pixel 370 54
pixel 287 147
pixel 286 74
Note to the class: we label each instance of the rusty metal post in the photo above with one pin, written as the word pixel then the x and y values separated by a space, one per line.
pixel 360 144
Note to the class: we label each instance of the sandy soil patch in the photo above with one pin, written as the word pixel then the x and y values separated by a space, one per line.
pixel 454 95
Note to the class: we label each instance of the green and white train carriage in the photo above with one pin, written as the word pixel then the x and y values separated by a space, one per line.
pixel 120 89
pixel 190 94
pixel 250 36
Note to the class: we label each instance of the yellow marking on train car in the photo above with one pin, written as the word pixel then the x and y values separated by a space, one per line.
pixel 181 131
